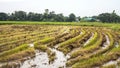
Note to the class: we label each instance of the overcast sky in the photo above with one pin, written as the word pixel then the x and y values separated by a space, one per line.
pixel 78 7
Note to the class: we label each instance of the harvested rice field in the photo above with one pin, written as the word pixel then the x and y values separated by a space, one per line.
pixel 59 46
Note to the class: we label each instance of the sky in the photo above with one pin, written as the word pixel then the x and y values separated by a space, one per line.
pixel 78 7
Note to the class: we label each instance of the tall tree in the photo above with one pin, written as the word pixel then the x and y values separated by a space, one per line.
pixel 46 15
pixel 3 16
pixel 109 17
pixel 19 15
pixel 59 18
pixel 34 16
pixel 30 16
pixel 72 17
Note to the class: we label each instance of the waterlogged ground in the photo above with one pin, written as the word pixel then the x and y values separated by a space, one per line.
pixel 47 46
pixel 41 60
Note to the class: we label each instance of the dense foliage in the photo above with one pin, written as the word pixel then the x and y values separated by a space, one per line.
pixel 31 16
pixel 109 17
pixel 53 17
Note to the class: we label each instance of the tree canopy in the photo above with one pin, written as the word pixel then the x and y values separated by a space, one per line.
pixel 31 16
pixel 51 16
pixel 109 17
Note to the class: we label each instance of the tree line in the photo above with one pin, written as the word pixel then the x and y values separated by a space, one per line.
pixel 53 17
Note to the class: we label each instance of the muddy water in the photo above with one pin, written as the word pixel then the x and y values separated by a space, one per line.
pixel 115 62
pixel 107 43
pixel 116 44
pixel 41 60
pixel 60 60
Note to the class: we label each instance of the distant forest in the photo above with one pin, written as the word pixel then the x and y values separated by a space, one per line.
pixel 51 16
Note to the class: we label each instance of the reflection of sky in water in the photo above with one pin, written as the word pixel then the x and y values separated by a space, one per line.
pixel 42 61
pixel 115 62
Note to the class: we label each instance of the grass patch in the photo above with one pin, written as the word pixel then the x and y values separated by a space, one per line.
pixel 44 41
pixel 114 26
pixel 98 60
pixel 15 50
pixel 92 40
pixel 89 49
pixel 19 56
pixel 41 47
pixel 71 40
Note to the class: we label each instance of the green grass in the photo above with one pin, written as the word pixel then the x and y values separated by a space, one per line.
pixel 72 39
pixel 99 59
pixel 84 57
pixel 41 47
pixel 110 46
pixel 98 55
pixel 91 48
pixel 40 44
pixel 19 55
pixel 77 44
pixel 45 40
pixel 115 26
pixel 15 50
pixel 92 40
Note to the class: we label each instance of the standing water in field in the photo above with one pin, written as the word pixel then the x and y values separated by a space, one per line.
pixel 106 44
pixel 113 62
pixel 31 45
pixel 41 60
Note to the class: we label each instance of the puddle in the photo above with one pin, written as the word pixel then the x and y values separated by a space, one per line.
pixel 116 44
pixel 106 44
pixel 60 60
pixel 56 46
pixel 16 62
pixel 31 45
pixel 41 60
pixel 115 62
pixel 110 62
